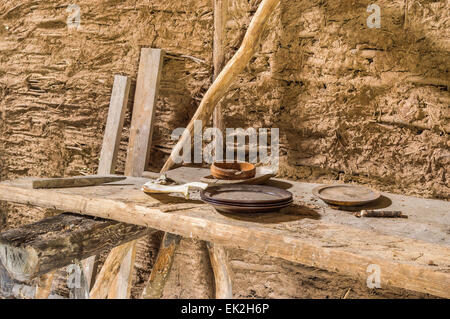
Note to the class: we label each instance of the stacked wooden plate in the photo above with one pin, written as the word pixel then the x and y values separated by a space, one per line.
pixel 243 198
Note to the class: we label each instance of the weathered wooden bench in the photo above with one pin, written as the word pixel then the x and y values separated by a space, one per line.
pixel 411 253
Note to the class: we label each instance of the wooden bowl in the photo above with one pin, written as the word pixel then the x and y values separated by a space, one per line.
pixel 233 170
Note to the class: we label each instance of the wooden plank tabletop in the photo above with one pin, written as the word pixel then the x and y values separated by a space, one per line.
pixel 412 253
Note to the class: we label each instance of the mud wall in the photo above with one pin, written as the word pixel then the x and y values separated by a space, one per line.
pixel 352 103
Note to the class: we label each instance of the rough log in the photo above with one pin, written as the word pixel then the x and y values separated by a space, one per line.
pixel 222 271
pixel 160 272
pixel 107 274
pixel 52 243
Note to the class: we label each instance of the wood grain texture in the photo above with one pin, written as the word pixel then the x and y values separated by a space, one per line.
pixel 109 273
pixel 161 269
pixel 220 20
pixel 76 181
pixel 223 82
pixel 44 286
pixel 222 271
pixel 114 125
pixel 332 246
pixel 52 243
pixel 121 285
pixel 141 130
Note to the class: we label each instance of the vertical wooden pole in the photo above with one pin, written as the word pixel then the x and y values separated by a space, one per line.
pixel 217 253
pixel 220 20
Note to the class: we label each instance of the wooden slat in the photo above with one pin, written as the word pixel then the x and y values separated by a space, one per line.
pixel 139 145
pixel 405 263
pixel 114 125
pixel 125 276
pixel 44 286
pixel 90 269
pixel 76 181
pixel 147 86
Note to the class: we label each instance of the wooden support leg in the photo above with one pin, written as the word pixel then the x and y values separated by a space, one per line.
pixel 161 269
pixel 90 267
pixel 109 271
pixel 125 276
pixel 222 271
pixel 44 286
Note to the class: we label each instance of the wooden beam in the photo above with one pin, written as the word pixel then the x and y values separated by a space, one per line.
pixel 114 125
pixel 76 181
pixel 139 146
pixel 330 246
pixel 220 20
pixel 222 271
pixel 52 243
pixel 108 274
pixel 143 117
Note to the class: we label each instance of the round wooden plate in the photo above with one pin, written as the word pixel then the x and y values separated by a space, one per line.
pixel 346 195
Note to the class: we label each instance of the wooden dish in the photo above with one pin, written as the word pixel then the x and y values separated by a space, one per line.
pixel 346 195
pixel 233 171
pixel 262 175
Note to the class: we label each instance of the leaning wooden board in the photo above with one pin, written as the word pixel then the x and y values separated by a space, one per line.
pixel 404 262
